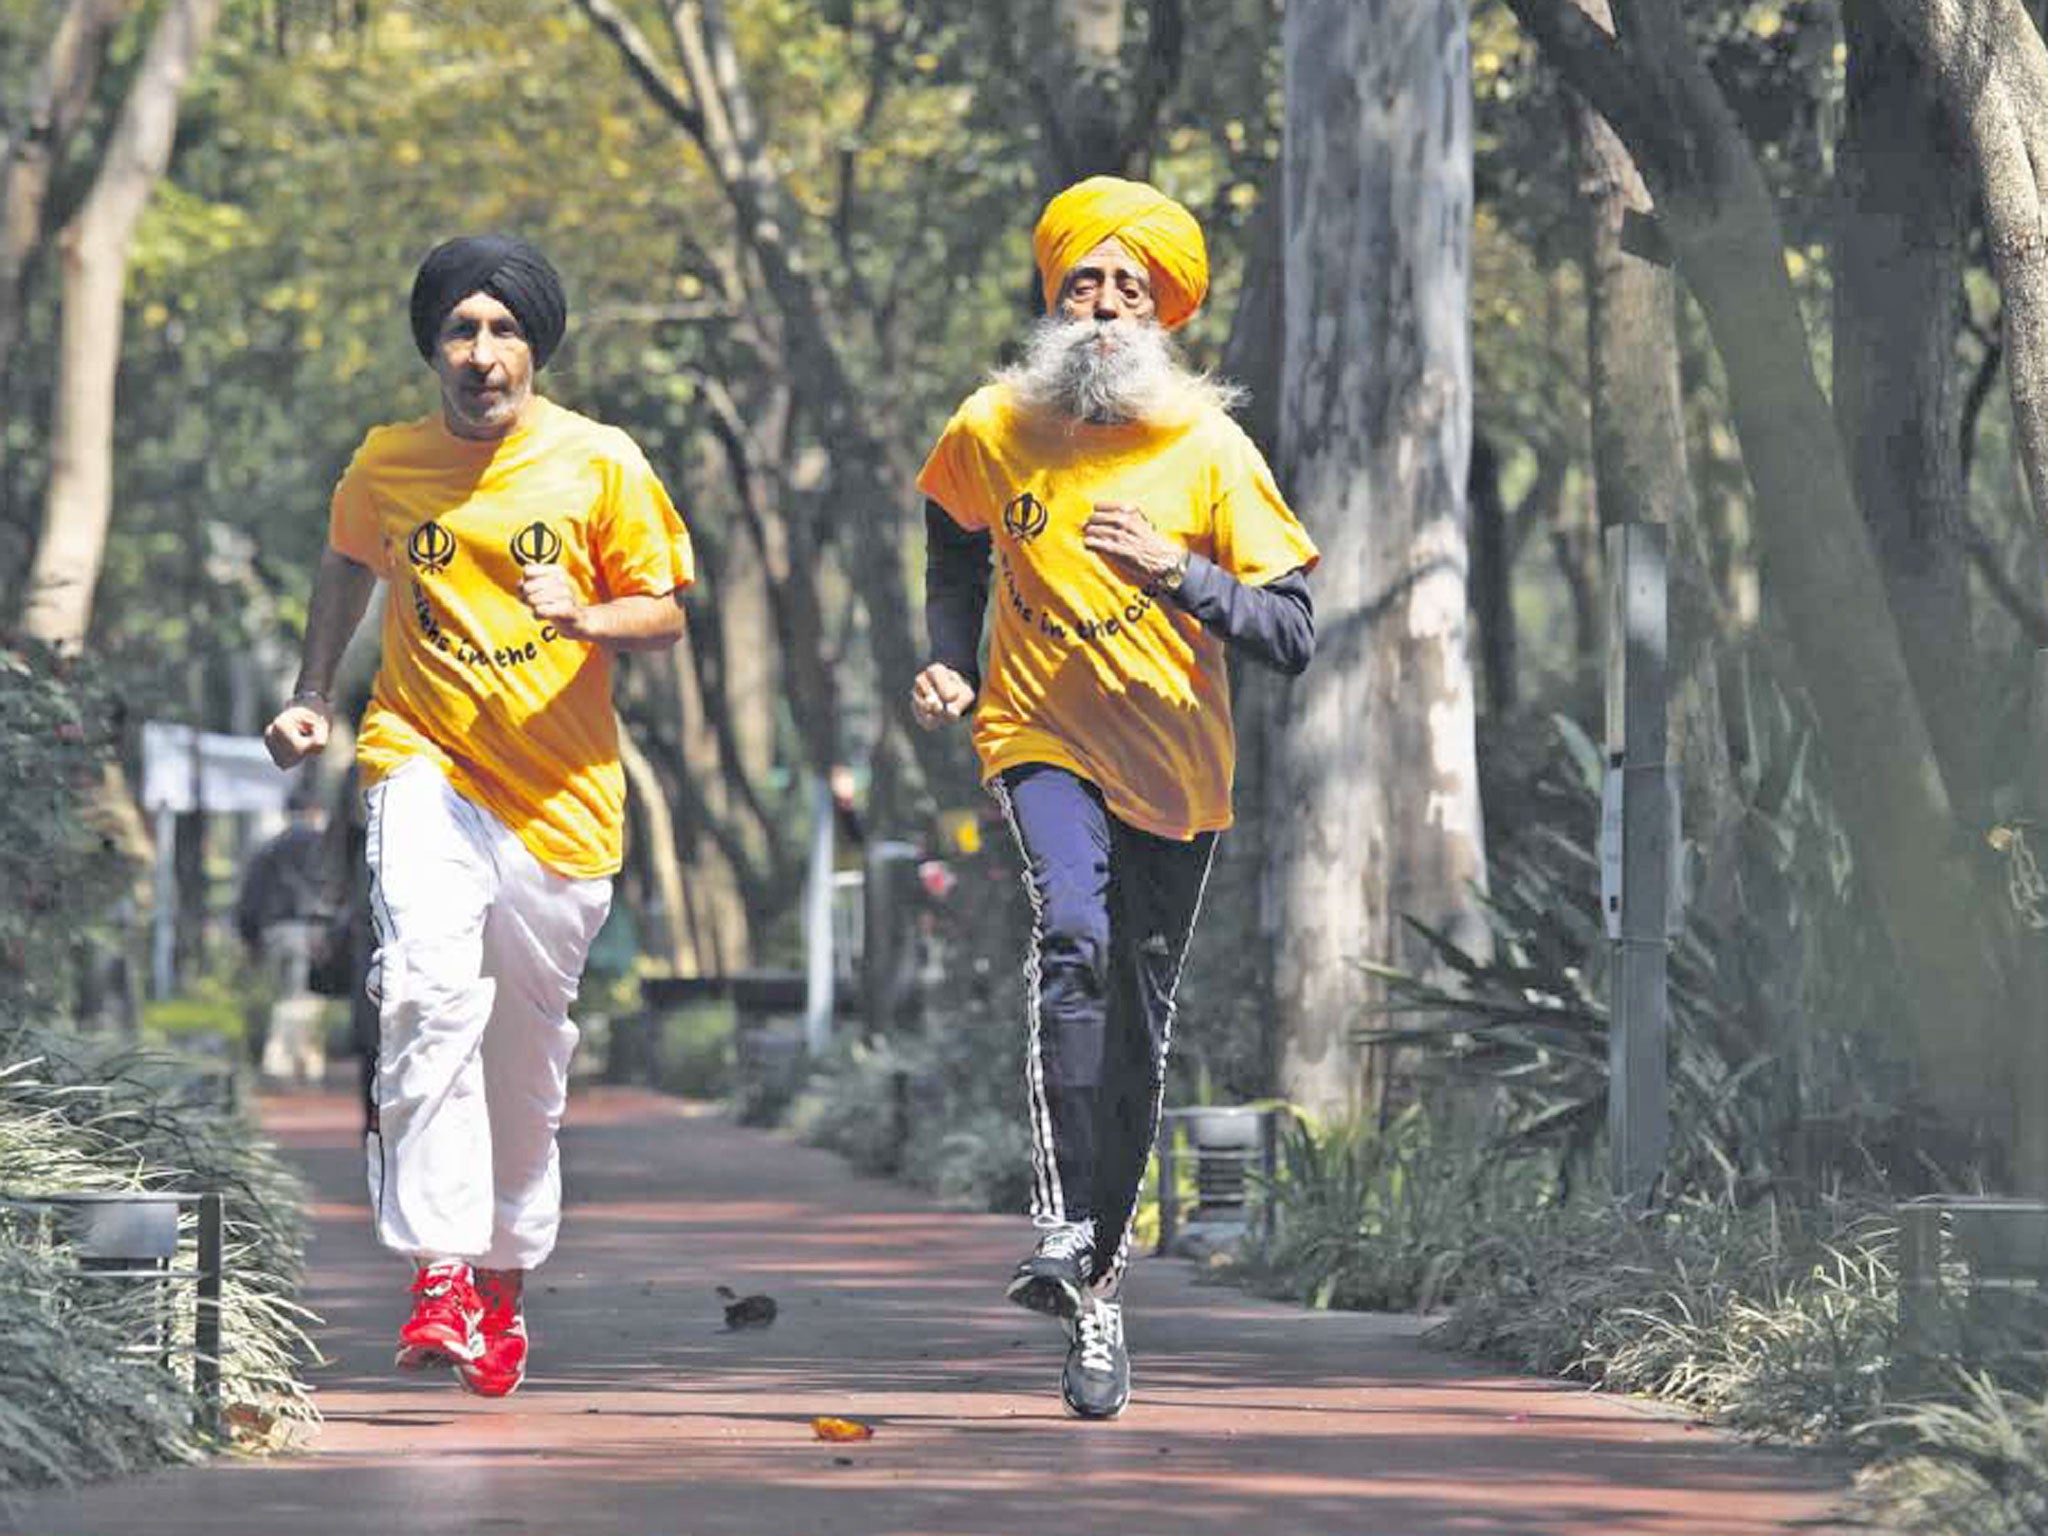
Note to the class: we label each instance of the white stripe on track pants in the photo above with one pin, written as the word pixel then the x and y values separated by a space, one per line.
pixel 480 948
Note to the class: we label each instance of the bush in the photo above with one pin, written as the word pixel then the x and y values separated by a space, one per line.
pixel 942 1105
pixel 693 1050
pixel 62 863
pixel 1771 1319
pixel 1977 1466
pixel 77 1116
pixel 1780 1082
pixel 1381 1219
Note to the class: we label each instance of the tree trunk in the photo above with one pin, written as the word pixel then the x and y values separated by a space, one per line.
pixel 1374 776
pixel 1641 474
pixel 664 869
pixel 1991 67
pixel 1823 578
pixel 1238 886
pixel 95 248
pixel 1081 105
pixel 1905 212
pixel 1098 114
pixel 59 99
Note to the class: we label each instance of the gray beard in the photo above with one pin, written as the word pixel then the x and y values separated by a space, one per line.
pixel 1065 372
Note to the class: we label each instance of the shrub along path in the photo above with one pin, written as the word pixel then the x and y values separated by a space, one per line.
pixel 645 1416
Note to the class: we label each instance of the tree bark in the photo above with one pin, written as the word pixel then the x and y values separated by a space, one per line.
pixel 58 101
pixel 1887 781
pixel 1898 260
pixel 1375 784
pixel 94 248
pixel 1492 594
pixel 1991 67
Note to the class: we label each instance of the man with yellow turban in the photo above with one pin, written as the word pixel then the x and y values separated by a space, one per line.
pixel 1133 534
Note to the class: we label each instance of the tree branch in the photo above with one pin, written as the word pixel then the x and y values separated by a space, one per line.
pixel 1596 65
pixel 2030 615
pixel 644 64
pixel 1973 401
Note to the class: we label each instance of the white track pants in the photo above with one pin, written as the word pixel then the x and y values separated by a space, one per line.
pixel 479 951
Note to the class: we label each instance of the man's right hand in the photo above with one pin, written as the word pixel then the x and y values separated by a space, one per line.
pixel 940 694
pixel 298 732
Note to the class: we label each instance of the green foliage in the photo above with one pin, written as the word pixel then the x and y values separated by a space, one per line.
pixel 693 1051
pixel 61 866
pixel 943 1106
pixel 72 1406
pixel 210 1008
pixel 76 1115
pixel 1780 1073
pixel 1372 1218
pixel 1973 1466
pixel 1771 1319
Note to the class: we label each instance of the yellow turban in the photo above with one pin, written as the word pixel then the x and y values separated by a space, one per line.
pixel 1145 221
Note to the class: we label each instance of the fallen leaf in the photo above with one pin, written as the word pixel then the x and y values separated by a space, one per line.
pixel 746 1311
pixel 828 1428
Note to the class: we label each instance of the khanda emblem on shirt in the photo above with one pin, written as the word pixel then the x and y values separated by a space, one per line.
pixel 536 544
pixel 1024 518
pixel 431 547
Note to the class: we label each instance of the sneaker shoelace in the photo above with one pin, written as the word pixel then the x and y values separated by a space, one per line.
pixel 1101 1327
pixel 1068 1242
pixel 437 1280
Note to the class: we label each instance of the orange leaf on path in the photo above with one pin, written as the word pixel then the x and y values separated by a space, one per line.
pixel 841 1429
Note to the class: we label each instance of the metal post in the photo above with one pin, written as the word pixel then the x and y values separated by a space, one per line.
pixel 818 923
pixel 1169 1178
pixel 1919 1275
pixel 1269 1176
pixel 163 936
pixel 206 1315
pixel 1639 837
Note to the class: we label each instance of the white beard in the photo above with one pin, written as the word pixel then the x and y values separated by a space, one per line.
pixel 1066 371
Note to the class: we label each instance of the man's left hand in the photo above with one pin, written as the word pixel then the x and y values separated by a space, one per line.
pixel 546 590
pixel 1125 537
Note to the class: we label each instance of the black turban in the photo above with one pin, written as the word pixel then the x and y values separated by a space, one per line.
pixel 509 270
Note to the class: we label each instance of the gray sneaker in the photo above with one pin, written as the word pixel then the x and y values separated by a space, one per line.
pixel 1054 1278
pixel 1097 1380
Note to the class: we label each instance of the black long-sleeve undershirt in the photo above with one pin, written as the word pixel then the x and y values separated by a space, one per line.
pixel 1274 624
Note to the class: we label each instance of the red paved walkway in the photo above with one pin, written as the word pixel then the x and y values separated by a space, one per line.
pixel 645 1418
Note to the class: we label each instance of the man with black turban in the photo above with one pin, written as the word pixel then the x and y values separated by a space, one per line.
pixel 1138 535
pixel 523 544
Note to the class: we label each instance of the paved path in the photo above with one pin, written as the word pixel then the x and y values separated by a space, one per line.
pixel 645 1418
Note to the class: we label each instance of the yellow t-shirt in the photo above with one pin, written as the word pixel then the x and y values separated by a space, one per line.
pixel 1085 670
pixel 518 717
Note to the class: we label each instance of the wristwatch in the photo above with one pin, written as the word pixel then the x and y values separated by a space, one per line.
pixel 1175 575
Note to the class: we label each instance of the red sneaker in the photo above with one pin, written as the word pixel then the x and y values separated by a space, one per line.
pixel 443 1328
pixel 501 1367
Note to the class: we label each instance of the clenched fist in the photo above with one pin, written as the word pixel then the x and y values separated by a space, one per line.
pixel 940 694
pixel 546 590
pixel 299 732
